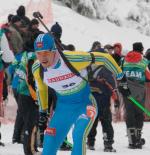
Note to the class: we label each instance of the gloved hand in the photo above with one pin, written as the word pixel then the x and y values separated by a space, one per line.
pixel 43 118
pixel 123 87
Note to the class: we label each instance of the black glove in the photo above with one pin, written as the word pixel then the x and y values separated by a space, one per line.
pixel 43 118
pixel 123 87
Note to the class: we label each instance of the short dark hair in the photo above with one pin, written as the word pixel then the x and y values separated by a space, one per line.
pixel 71 47
pixel 95 44
pixel 138 46
pixel 15 19
pixel 10 17
pixel 34 21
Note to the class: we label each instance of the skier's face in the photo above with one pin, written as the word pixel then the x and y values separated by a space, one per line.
pixel 46 58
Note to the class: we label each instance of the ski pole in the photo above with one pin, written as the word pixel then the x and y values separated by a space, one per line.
pixel 39 17
pixel 146 111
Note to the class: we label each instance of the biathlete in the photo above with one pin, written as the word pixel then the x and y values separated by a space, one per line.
pixel 75 104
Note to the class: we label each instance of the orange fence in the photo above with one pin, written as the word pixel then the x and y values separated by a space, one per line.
pixel 43 6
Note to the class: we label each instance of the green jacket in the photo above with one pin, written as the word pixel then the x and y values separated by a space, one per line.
pixel 134 67
pixel 23 73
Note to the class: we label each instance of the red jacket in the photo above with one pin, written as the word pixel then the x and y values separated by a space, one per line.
pixel 135 57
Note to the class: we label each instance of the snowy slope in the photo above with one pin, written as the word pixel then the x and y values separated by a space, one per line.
pixel 82 32
pixel 124 13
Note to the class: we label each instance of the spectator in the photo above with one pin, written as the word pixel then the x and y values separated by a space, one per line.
pixel 5 28
pixel 95 46
pixel 6 57
pixel 70 47
pixel 147 54
pixel 117 54
pixel 102 85
pixel 109 48
pixel 21 12
pixel 26 36
pixel 56 31
pixel 16 40
pixel 34 32
pixel 136 70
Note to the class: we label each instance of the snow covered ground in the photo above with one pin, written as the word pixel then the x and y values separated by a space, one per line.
pixel 120 137
pixel 121 141
pixel 120 144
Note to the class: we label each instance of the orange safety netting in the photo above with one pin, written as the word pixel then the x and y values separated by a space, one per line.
pixel 43 6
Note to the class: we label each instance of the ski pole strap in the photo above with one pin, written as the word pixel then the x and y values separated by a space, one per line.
pixel 67 62
pixel 93 58
pixel 146 111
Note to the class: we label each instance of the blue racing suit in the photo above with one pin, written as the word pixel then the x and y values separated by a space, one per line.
pixel 75 104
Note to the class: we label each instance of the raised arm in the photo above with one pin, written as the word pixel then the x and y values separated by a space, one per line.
pixel 81 60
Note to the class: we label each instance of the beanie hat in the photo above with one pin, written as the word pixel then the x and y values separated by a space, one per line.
pixel 15 19
pixel 34 21
pixel 147 54
pixel 119 51
pixel 10 17
pixel 56 30
pixel 148 50
pixel 44 42
pixel 95 45
pixel 21 11
pixel 138 46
